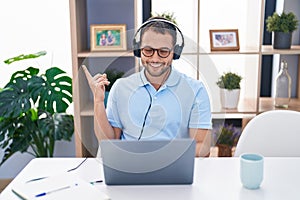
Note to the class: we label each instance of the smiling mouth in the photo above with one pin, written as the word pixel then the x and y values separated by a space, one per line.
pixel 156 65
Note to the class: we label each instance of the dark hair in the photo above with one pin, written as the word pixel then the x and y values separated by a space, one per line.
pixel 160 27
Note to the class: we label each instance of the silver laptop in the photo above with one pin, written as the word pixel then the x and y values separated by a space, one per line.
pixel 148 162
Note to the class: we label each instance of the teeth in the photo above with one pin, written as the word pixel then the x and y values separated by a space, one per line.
pixel 155 64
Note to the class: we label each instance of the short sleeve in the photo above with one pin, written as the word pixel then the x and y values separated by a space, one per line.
pixel 200 116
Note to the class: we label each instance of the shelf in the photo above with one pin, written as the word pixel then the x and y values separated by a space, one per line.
pixel 245 106
pixel 248 50
pixel 86 54
pixel 266 104
pixel 87 110
pixel 268 50
pixel 233 116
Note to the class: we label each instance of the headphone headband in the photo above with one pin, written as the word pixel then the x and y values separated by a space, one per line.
pixel 177 48
pixel 158 20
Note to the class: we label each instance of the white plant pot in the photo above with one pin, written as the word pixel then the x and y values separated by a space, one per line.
pixel 229 98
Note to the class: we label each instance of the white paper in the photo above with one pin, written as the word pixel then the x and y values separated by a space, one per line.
pixel 63 186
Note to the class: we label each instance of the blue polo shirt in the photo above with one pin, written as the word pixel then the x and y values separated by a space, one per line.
pixel 181 103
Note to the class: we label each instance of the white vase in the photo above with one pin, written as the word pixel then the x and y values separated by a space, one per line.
pixel 229 98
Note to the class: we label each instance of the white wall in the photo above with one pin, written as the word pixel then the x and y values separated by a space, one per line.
pixel 28 27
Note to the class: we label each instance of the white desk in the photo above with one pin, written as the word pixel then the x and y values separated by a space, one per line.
pixel 215 178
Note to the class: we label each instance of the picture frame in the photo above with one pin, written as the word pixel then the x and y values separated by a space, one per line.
pixel 108 37
pixel 224 40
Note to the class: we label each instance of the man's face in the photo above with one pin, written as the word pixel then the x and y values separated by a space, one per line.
pixel 155 65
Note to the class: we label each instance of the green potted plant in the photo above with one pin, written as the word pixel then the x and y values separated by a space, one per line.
pixel 167 15
pixel 226 136
pixel 229 84
pixel 283 26
pixel 33 110
pixel 112 76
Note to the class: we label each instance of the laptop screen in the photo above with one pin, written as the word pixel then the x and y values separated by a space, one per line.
pixel 148 162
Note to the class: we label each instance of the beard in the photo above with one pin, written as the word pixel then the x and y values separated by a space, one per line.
pixel 157 69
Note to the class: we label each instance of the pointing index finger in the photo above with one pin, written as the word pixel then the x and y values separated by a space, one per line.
pixel 86 71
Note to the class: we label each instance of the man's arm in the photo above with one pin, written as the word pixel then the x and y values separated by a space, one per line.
pixel 102 127
pixel 203 141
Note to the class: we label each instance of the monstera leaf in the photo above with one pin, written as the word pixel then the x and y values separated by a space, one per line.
pixel 24 74
pixel 58 126
pixel 15 135
pixel 55 126
pixel 54 90
pixel 15 97
pixel 23 57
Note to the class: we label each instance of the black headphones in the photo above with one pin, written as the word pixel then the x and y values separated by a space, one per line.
pixel 177 49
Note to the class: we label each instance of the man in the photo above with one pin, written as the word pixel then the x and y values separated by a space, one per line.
pixel 110 38
pixel 157 103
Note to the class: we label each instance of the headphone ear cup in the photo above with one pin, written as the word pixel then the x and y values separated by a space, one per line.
pixel 177 52
pixel 136 49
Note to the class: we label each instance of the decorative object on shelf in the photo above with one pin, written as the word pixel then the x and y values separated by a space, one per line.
pixel 112 76
pixel 33 111
pixel 108 37
pixel 224 40
pixel 283 26
pixel 229 84
pixel 283 86
pixel 168 15
pixel 226 136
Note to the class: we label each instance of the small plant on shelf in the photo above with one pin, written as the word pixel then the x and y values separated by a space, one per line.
pixel 167 15
pixel 283 26
pixel 229 84
pixel 229 81
pixel 286 22
pixel 112 76
pixel 226 136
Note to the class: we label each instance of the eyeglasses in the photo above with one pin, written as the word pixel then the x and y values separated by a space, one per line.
pixel 162 52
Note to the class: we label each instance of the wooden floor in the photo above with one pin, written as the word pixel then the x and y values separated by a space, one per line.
pixel 4 183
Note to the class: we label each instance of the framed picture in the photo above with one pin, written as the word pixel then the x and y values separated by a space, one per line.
pixel 224 40
pixel 108 37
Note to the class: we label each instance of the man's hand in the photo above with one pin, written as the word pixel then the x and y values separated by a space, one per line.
pixel 97 84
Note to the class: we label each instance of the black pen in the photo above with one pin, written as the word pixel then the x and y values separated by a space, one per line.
pixel 94 182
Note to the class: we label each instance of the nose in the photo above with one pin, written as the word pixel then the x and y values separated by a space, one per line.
pixel 155 55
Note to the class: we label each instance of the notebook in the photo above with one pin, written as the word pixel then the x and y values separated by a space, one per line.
pixel 148 162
